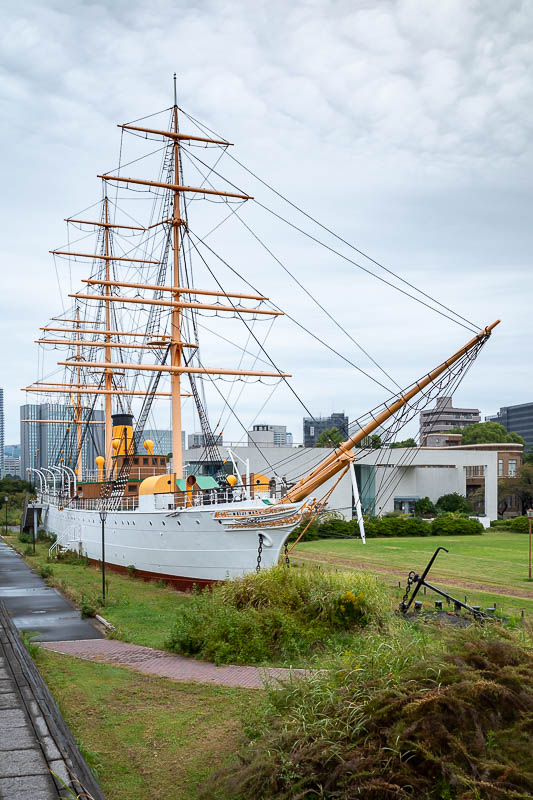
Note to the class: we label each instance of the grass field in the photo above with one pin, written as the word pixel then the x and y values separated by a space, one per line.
pixel 487 569
pixel 145 737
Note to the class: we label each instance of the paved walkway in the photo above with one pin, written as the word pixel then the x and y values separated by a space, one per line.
pixel 34 606
pixel 169 665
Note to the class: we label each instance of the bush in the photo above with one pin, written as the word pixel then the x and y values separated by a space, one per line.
pixel 396 722
pixel 396 526
pixel 455 525
pixel 520 525
pixel 46 571
pixel 454 502
pixel 131 570
pixel 500 523
pixel 89 606
pixel 276 614
pixel 424 507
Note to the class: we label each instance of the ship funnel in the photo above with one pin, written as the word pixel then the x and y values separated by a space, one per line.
pixel 123 434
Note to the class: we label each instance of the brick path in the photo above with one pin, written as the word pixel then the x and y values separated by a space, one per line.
pixel 169 665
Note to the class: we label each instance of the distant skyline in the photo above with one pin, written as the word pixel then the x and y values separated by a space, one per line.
pixel 403 125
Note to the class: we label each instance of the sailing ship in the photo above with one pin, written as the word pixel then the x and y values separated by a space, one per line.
pixel 135 320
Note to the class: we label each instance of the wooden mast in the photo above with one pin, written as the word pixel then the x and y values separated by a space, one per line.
pixel 77 410
pixel 108 374
pixel 343 454
pixel 175 323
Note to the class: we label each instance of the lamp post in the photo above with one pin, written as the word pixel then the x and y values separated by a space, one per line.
pixel 6 501
pixel 530 520
pixel 103 515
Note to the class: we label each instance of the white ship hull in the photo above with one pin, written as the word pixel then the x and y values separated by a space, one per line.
pixel 196 545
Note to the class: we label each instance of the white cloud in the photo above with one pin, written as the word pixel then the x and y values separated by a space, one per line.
pixel 405 125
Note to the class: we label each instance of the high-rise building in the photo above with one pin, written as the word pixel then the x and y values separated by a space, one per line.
pixel 48 434
pixel 2 470
pixel 12 466
pixel 162 440
pixel 516 419
pixel 313 427
pixel 270 436
pixel 444 417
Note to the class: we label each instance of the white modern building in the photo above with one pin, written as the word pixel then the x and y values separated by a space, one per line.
pixel 388 479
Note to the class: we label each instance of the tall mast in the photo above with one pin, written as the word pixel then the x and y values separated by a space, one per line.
pixel 176 349
pixel 77 410
pixel 108 374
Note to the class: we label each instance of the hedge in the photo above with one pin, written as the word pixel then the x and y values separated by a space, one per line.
pixel 393 526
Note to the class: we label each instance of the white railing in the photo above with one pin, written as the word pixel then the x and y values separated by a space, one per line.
pixel 209 497
pixel 72 535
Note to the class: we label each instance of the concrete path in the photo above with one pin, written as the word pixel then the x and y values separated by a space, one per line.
pixel 34 606
pixel 35 742
pixel 169 665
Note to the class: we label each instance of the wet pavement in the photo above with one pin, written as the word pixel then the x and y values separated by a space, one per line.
pixel 34 606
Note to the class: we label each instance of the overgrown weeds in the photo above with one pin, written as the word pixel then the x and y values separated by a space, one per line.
pixel 406 717
pixel 278 615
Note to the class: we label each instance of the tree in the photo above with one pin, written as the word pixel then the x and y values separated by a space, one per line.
pixel 454 502
pixel 424 508
pixel 375 441
pixel 486 433
pixel 528 457
pixel 406 443
pixel 521 485
pixel 329 438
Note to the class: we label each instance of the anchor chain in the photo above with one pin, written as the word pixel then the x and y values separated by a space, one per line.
pixel 259 553
pixel 411 578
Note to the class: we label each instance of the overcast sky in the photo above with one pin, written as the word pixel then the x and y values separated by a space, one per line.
pixel 404 125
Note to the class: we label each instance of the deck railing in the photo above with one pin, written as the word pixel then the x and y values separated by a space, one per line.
pixel 209 497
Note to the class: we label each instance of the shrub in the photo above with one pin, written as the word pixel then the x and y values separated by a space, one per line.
pixel 520 525
pixel 455 525
pixel 89 606
pixel 454 502
pixel 424 507
pixel 46 571
pixel 396 722
pixel 276 614
pixel 500 523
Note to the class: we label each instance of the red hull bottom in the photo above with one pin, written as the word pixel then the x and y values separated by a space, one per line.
pixel 175 581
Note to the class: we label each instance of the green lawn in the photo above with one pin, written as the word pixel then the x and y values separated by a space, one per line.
pixel 495 563
pixel 146 737
pixel 143 613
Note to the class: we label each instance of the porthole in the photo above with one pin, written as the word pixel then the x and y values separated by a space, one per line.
pixel 197 521
pixel 151 523
pixel 179 523
pixel 163 522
